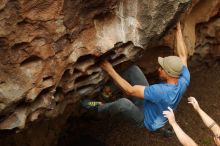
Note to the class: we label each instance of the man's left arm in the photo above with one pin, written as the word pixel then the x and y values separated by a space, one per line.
pixel 181 46
pixel 136 90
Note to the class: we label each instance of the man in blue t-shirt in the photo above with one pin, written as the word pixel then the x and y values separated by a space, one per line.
pixel 159 96
pixel 146 103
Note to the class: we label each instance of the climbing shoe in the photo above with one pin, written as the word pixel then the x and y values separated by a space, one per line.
pixel 90 105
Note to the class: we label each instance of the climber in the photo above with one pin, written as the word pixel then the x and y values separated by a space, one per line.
pixel 144 104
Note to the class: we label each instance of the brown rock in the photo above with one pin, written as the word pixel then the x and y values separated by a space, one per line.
pixel 51 49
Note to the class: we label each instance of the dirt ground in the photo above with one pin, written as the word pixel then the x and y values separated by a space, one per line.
pixel 205 86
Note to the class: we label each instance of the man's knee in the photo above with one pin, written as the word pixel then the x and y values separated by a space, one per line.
pixel 123 101
pixel 124 104
pixel 134 68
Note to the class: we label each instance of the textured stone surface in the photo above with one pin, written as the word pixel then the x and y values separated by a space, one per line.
pixel 208 37
pixel 49 53
pixel 201 25
pixel 50 49
pixel 202 12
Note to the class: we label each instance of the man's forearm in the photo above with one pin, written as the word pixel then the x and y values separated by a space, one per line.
pixel 181 47
pixel 184 139
pixel 136 90
pixel 123 84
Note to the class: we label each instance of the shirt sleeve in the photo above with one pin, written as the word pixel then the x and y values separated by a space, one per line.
pixel 185 76
pixel 153 93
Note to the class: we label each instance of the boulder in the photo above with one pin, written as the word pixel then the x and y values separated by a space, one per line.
pixel 50 50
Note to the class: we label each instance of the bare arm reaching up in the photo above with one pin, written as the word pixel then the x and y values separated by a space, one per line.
pixel 136 90
pixel 184 139
pixel 208 121
pixel 181 47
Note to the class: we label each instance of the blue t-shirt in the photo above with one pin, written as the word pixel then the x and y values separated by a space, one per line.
pixel 158 97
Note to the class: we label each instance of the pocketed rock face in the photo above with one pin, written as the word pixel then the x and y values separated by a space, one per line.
pixel 202 12
pixel 200 28
pixel 208 38
pixel 49 50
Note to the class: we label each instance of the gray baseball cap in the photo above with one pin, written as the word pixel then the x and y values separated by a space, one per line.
pixel 172 65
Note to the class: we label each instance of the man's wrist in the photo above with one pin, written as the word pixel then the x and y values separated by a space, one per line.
pixel 198 109
pixel 173 123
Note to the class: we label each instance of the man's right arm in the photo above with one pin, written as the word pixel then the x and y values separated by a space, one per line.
pixel 180 44
pixel 136 90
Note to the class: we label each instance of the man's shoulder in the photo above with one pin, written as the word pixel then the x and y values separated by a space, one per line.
pixel 159 88
pixel 185 76
pixel 153 89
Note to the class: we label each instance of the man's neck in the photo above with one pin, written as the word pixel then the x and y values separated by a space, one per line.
pixel 172 81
